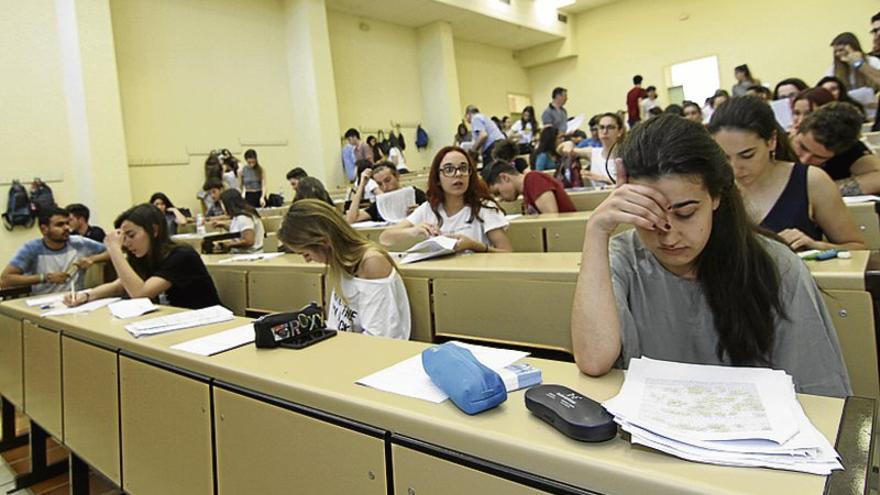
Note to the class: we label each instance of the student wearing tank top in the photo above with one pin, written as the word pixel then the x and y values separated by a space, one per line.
pixel 798 202
pixel 695 281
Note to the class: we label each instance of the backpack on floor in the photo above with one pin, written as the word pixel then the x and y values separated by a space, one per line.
pixel 18 212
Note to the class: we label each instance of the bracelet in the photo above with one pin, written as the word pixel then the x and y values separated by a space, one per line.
pixel 858 64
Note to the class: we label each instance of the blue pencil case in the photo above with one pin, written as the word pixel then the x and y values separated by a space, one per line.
pixel 472 386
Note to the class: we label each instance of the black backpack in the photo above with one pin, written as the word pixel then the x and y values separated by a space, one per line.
pixel 18 212
pixel 41 197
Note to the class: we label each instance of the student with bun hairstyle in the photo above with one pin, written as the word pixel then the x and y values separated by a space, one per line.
pixel 367 293
pixel 695 281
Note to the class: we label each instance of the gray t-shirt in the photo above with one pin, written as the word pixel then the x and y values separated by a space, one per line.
pixel 557 117
pixel 35 257
pixel 667 317
pixel 251 179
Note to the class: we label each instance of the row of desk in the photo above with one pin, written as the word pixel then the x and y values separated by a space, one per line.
pixel 158 421
pixel 525 299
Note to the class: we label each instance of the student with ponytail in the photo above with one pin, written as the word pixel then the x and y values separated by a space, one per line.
pixel 695 281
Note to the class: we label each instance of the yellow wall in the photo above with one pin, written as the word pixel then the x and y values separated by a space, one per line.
pixel 486 75
pixel 45 92
pixel 375 64
pixel 196 75
pixel 785 38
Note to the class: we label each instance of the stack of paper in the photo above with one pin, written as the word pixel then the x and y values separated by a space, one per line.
pixel 251 257
pixel 178 321
pixel 427 249
pixel 409 378
pixel 720 415
pixel 218 342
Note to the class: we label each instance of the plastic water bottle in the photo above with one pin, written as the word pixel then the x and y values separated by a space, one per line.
pixel 200 224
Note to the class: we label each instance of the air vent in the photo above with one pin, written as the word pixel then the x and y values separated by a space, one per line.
pixel 562 17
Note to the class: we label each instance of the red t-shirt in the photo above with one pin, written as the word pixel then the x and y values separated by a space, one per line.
pixel 632 103
pixel 537 183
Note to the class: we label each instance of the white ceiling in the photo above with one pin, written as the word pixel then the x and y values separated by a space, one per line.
pixel 466 25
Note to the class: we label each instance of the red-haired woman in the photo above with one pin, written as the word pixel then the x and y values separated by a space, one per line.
pixel 459 205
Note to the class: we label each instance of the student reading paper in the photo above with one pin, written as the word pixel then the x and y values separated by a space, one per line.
pixel 368 295
pixel 459 205
pixel 695 281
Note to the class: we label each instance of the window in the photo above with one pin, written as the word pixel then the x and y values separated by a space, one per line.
pixel 699 78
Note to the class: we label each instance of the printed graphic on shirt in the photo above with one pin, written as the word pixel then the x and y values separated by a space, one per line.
pixel 341 316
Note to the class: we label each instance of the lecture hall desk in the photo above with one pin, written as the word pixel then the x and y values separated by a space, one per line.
pixel 261 413
pixel 494 297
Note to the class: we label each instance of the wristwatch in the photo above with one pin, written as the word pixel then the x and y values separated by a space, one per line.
pixel 858 64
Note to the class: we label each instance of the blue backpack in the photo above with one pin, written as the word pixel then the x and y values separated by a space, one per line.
pixel 421 138
pixel 18 208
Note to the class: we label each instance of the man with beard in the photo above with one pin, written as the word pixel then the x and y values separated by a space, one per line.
pixel 48 264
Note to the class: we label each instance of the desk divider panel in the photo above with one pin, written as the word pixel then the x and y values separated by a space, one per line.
pixel 853 316
pixel 42 378
pixel 283 290
pixel 526 237
pixel 864 215
pixel 232 288
pixel 165 419
pixel 11 360
pixel 423 474
pixel 263 448
pixel 588 200
pixel 91 405
pixel 480 309
pixel 418 291
pixel 566 236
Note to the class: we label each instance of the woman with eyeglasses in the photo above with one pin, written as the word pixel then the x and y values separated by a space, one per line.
pixel 459 205
pixel 611 132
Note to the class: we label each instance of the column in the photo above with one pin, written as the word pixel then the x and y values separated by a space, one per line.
pixel 442 108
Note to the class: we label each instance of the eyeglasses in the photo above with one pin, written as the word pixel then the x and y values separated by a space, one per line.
pixel 450 170
pixel 607 127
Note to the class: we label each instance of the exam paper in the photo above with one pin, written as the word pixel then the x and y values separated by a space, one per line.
pixel 251 257
pixel 409 378
pixel 782 111
pixel 178 321
pixel 574 123
pixel 216 343
pixel 85 308
pixel 132 307
pixel 370 224
pixel 432 247
pixel 393 206
pixel 44 300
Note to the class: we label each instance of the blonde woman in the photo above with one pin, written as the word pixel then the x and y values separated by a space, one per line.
pixel 367 293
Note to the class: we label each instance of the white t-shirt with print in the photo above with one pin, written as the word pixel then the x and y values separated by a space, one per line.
pixel 488 220
pixel 241 223
pixel 376 307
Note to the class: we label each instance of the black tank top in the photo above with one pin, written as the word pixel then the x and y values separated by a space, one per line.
pixel 792 209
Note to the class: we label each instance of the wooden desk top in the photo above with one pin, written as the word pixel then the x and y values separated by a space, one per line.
pixel 323 377
pixel 836 274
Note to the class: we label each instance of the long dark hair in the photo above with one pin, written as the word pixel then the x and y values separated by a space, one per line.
pixel 752 114
pixel 532 121
pixel 235 205
pixel 151 220
pixel 842 70
pixel 477 195
pixel 546 144
pixel 164 198
pixel 738 276
pixel 842 89
pixel 257 167
pixel 794 81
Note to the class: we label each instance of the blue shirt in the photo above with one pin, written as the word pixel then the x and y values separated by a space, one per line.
pixel 348 161
pixel 589 143
pixel 484 125
pixel 35 257
pixel 544 162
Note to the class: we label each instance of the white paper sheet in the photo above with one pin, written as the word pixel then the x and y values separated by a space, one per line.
pixel 250 257
pixel 512 216
pixel 860 199
pixel 179 321
pixel 131 308
pixel 216 343
pixel 429 248
pixel 782 111
pixel 85 308
pixel 394 206
pixel 45 300
pixel 409 378
pixel 574 123
pixel 370 224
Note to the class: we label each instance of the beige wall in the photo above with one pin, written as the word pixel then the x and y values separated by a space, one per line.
pixel 486 75
pixel 779 39
pixel 196 75
pixel 60 108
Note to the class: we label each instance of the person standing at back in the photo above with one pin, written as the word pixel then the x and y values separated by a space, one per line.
pixel 744 80
pixel 633 100
pixel 253 178
pixel 485 132
pixel 555 114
